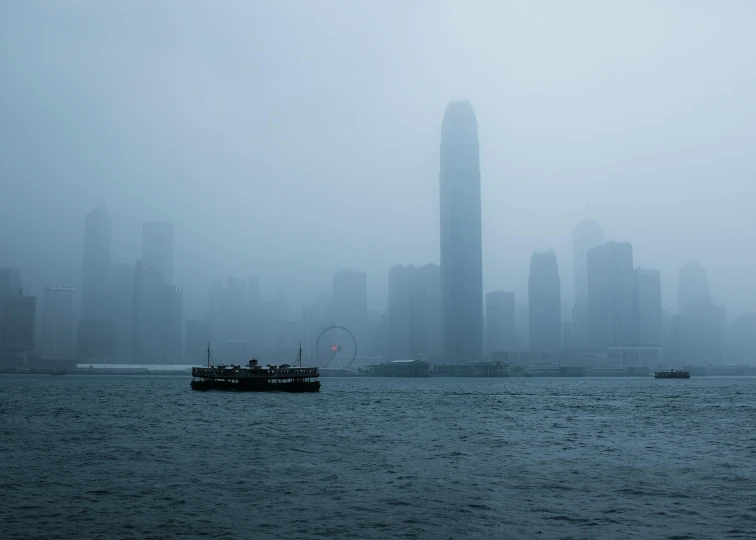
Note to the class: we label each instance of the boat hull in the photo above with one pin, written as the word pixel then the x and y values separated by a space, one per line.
pixel 256 385
pixel 671 375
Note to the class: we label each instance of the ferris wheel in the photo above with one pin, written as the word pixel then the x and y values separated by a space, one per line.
pixel 336 348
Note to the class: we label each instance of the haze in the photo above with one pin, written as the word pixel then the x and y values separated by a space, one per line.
pixel 288 140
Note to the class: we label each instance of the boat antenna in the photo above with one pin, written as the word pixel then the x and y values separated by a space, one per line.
pixel 300 354
pixel 208 354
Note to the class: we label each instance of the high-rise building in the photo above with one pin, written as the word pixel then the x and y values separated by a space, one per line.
pixel 122 310
pixel 545 303
pixel 587 235
pixel 96 334
pixel 197 340
pixel 414 312
pixel 95 268
pixel 699 326
pixel 648 307
pixel 147 325
pixel 500 322
pixel 57 323
pixel 173 325
pixel 349 296
pixel 611 295
pixel 157 248
pixel 10 285
pixel 20 323
pixel 693 289
pixel 461 237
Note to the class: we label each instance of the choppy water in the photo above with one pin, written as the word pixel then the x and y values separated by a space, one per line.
pixel 145 457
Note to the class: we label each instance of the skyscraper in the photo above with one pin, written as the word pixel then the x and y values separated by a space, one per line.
pixel 56 327
pixel 197 339
pixel 147 325
pixel 21 323
pixel 95 266
pixel 10 285
pixel 157 248
pixel 122 309
pixel 587 235
pixel 350 297
pixel 173 325
pixel 648 307
pixel 96 335
pixel 461 242
pixel 414 312
pixel 545 303
pixel 698 327
pixel 500 322
pixel 611 295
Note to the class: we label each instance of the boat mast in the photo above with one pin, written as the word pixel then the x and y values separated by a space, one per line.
pixel 300 354
pixel 208 354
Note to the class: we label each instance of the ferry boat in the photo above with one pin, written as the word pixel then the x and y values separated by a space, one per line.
pixel 672 374
pixel 58 372
pixel 255 377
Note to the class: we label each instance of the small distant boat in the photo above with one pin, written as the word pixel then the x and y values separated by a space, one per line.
pixel 672 374
pixel 58 372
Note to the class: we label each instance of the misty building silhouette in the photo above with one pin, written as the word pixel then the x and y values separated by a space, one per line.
pixel 10 285
pixel 500 322
pixel 197 338
pixel 96 334
pixel 545 303
pixel 349 297
pixel 147 325
pixel 57 323
pixel 587 235
pixel 122 309
pixel 157 248
pixel 461 242
pixel 414 312
pixel 611 295
pixel 698 328
pixel 648 308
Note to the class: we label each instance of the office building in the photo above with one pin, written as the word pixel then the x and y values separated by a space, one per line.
pixel 500 322
pixel 57 323
pixel 414 317
pixel 611 295
pixel 545 303
pixel 461 239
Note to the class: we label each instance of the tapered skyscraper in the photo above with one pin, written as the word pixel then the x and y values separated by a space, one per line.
pixel 461 244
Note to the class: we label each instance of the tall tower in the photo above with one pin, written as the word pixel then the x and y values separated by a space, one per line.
pixel 95 340
pixel 157 248
pixel 545 303
pixel 611 295
pixel 56 328
pixel 587 235
pixel 95 267
pixel 461 243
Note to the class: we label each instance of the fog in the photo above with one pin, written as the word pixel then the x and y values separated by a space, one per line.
pixel 288 140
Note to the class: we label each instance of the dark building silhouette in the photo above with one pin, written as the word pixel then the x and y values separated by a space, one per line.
pixel 414 312
pixel 147 325
pixel 587 235
pixel 197 339
pixel 10 285
pixel 96 333
pixel 173 325
pixel 611 295
pixel 57 324
pixel 350 297
pixel 461 243
pixel 20 323
pixel 500 322
pixel 544 303
pixel 699 326
pixel 157 248
pixel 122 310
pixel 95 269
pixel 648 307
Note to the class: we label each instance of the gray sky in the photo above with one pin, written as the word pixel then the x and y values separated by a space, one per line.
pixel 290 139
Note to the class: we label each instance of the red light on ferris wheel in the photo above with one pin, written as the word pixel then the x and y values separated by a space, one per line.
pixel 334 348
